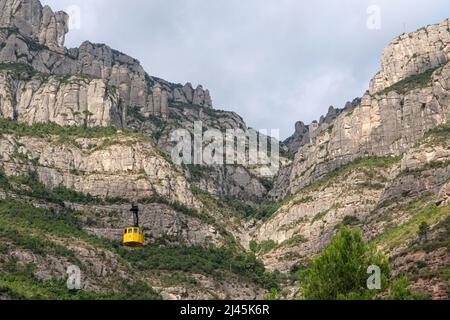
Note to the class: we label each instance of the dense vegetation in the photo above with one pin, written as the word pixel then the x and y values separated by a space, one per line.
pixel 42 130
pixel 438 136
pixel 262 247
pixel 21 284
pixel 32 227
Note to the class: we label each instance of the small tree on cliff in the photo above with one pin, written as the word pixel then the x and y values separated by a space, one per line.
pixel 340 272
pixel 424 229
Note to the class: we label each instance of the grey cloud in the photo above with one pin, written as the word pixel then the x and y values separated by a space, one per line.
pixel 274 61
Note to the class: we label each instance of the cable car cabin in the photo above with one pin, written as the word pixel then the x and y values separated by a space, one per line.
pixel 133 237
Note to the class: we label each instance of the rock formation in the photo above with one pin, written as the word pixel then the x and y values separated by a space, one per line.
pixel 303 133
pixel 413 53
pixel 158 101
pixel 72 100
pixel 299 138
pixel 125 167
pixel 40 24
pixel 34 35
pixel 379 164
pixel 382 124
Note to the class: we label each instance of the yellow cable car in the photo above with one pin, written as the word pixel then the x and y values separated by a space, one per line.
pixel 133 236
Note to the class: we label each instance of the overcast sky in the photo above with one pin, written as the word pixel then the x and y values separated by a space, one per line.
pixel 274 62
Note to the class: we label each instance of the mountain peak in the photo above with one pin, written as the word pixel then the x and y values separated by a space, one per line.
pixel 413 53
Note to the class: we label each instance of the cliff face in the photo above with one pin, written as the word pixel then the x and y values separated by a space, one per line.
pixel 30 97
pixel 122 167
pixel 91 176
pixel 95 85
pixel 303 133
pixel 235 181
pixel 413 53
pixel 33 35
pixel 35 22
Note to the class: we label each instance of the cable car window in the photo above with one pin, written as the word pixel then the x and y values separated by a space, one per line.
pixel 125 231
pixel 135 230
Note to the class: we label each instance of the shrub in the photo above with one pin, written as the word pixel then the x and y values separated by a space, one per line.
pixel 268 209
pixel 400 290
pixel 267 183
pixel 29 185
pixel 350 221
pixel 19 70
pixel 263 247
pixel 295 240
pixel 3 248
pixel 273 295
pixel 366 163
pixel 424 228
pixel 20 285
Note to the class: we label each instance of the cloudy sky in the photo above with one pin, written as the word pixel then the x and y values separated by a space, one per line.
pixel 274 62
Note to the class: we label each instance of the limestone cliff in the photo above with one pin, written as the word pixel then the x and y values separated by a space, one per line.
pixel 412 54
pixel 36 22
pixel 381 164
pixel 303 133
pixel 34 35
pixel 94 85
pixel 112 167
pixel 30 97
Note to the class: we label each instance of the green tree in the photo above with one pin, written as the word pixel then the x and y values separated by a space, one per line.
pixel 340 272
pixel 424 228
pixel 400 289
pixel 253 246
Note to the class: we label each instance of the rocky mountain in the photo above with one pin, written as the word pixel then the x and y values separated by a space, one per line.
pixel 388 119
pixel 85 132
pixel 303 133
pixel 34 35
pixel 381 164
